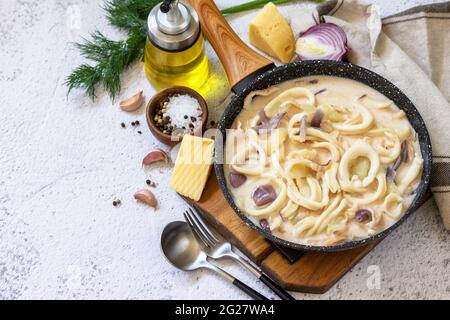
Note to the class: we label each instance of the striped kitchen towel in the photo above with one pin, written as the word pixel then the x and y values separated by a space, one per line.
pixel 411 49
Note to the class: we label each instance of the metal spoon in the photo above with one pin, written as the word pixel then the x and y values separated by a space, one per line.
pixel 183 251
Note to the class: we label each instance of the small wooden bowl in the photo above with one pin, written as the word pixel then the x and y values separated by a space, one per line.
pixel 163 96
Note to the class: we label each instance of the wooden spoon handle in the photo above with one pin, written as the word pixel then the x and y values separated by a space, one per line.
pixel 238 59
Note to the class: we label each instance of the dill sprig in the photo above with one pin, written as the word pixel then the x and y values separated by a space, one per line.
pixel 111 58
pixel 129 15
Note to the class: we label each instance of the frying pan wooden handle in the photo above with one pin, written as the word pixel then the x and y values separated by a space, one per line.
pixel 238 59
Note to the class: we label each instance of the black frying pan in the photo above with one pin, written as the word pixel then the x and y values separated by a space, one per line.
pixel 248 71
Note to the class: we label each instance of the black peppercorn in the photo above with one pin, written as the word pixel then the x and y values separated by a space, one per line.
pixel 132 124
pixel 148 182
pixel 137 122
pixel 140 132
pixel 115 203
pixel 122 125
pixel 185 116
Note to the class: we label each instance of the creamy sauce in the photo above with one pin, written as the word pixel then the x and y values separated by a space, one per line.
pixel 337 182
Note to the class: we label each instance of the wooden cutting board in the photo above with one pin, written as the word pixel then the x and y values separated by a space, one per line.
pixel 312 273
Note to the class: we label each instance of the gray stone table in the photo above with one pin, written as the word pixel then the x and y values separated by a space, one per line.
pixel 64 159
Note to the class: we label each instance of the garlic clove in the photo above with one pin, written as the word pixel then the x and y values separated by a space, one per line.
pixel 156 155
pixel 147 197
pixel 133 103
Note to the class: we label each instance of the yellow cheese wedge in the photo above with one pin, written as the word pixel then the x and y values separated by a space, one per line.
pixel 270 33
pixel 192 166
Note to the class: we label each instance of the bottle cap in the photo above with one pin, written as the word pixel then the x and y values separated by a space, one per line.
pixel 173 26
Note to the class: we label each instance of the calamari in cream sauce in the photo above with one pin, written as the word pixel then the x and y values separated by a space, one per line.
pixel 322 160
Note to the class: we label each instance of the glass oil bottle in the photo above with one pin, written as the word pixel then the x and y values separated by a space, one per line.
pixel 174 52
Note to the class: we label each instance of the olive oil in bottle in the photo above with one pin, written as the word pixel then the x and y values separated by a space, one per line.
pixel 174 51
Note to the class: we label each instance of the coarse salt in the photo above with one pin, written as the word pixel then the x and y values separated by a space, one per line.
pixel 182 109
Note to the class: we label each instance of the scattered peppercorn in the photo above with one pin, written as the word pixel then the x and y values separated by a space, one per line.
pixel 140 132
pixel 133 124
pixel 137 122
pixel 123 125
pixel 150 183
pixel 116 203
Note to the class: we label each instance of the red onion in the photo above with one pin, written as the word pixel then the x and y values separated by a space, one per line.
pixel 363 215
pixel 271 124
pixel 264 195
pixel 317 118
pixel 262 116
pixel 236 179
pixel 391 171
pixel 265 225
pixel 302 130
pixel 320 91
pixel 325 41
pixel 323 164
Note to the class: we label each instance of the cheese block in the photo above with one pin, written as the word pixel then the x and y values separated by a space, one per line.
pixel 271 33
pixel 192 166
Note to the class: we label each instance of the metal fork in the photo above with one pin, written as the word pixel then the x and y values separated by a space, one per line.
pixel 216 247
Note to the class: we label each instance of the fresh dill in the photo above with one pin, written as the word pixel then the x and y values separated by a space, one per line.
pixel 109 58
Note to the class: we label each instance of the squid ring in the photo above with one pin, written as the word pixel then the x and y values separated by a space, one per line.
pixel 390 155
pixel 304 224
pixel 381 190
pixel 265 92
pixel 240 157
pixel 330 176
pixel 334 151
pixel 359 149
pixel 294 132
pixel 332 211
pixel 366 122
pixel 393 205
pixel 295 195
pixel 410 175
pixel 292 94
pixel 289 210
